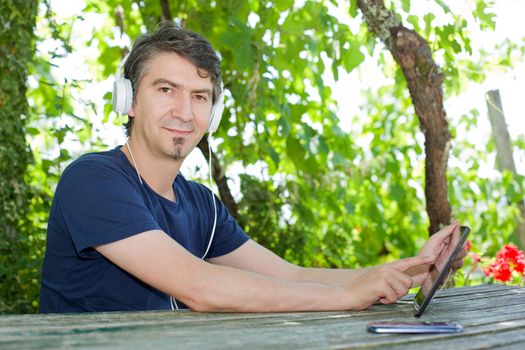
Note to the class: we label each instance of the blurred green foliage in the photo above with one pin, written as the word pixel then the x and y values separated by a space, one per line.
pixel 18 268
pixel 321 195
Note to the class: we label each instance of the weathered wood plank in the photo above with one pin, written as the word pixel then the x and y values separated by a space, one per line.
pixel 492 314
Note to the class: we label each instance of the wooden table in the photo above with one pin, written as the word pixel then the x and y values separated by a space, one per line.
pixel 492 316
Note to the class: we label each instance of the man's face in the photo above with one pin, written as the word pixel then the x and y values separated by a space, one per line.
pixel 172 107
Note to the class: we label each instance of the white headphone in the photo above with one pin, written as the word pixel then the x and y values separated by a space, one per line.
pixel 123 98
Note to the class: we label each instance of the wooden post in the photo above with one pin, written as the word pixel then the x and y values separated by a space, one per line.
pixel 504 160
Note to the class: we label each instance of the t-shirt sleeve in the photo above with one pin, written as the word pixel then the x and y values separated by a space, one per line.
pixel 228 234
pixel 99 204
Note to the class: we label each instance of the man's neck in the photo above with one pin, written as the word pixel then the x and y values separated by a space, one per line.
pixel 158 172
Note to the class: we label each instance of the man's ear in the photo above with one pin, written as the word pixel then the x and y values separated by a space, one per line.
pixel 131 112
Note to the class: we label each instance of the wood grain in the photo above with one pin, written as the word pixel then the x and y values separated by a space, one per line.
pixel 491 315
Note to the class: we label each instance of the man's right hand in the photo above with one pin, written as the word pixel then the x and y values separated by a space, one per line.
pixel 384 284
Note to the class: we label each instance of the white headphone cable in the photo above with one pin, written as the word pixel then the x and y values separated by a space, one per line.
pixel 213 199
pixel 134 163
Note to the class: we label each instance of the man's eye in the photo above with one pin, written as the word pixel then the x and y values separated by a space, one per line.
pixel 166 89
pixel 202 98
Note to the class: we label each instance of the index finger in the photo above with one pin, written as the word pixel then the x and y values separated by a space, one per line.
pixel 446 231
pixel 408 263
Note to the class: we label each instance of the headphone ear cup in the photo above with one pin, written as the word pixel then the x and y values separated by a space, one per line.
pixel 216 114
pixel 122 96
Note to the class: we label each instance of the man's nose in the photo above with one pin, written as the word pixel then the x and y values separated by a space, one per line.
pixel 182 108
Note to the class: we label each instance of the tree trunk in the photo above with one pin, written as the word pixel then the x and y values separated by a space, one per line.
pixel 504 160
pixel 424 80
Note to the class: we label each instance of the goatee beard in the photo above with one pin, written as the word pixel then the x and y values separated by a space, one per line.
pixel 178 142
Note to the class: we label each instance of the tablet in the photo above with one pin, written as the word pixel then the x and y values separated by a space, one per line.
pixel 439 271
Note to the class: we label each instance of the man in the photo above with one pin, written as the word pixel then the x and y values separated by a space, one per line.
pixel 128 232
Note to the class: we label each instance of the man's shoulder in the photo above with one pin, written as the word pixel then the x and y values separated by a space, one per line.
pixel 94 167
pixel 109 158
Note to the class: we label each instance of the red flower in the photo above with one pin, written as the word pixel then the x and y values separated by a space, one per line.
pixel 501 270
pixel 514 257
pixel 468 245
pixel 508 259
pixel 511 252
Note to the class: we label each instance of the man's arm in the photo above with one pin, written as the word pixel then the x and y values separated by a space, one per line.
pixel 253 257
pixel 159 261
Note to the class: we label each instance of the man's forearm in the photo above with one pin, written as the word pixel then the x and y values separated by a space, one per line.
pixel 334 277
pixel 222 288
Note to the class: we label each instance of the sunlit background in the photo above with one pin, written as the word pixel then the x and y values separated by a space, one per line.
pixel 347 90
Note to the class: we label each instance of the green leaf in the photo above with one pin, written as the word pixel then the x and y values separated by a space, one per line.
pixel 428 18
pixel 487 19
pixel 353 57
pixel 444 6
pixel 284 5
pixel 405 5
pixel 353 8
pixel 414 20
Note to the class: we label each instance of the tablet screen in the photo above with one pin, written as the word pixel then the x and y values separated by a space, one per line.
pixel 439 270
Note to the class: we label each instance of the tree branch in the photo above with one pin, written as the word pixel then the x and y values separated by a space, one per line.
pixel 220 179
pixel 166 10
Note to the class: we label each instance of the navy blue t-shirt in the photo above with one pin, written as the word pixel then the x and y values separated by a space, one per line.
pixel 99 200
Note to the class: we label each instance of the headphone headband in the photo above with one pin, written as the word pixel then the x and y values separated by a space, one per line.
pixel 120 68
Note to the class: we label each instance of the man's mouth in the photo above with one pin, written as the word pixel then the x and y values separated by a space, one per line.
pixel 179 132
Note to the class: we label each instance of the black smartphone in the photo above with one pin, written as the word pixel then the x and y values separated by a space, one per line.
pixel 439 271
pixel 416 327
